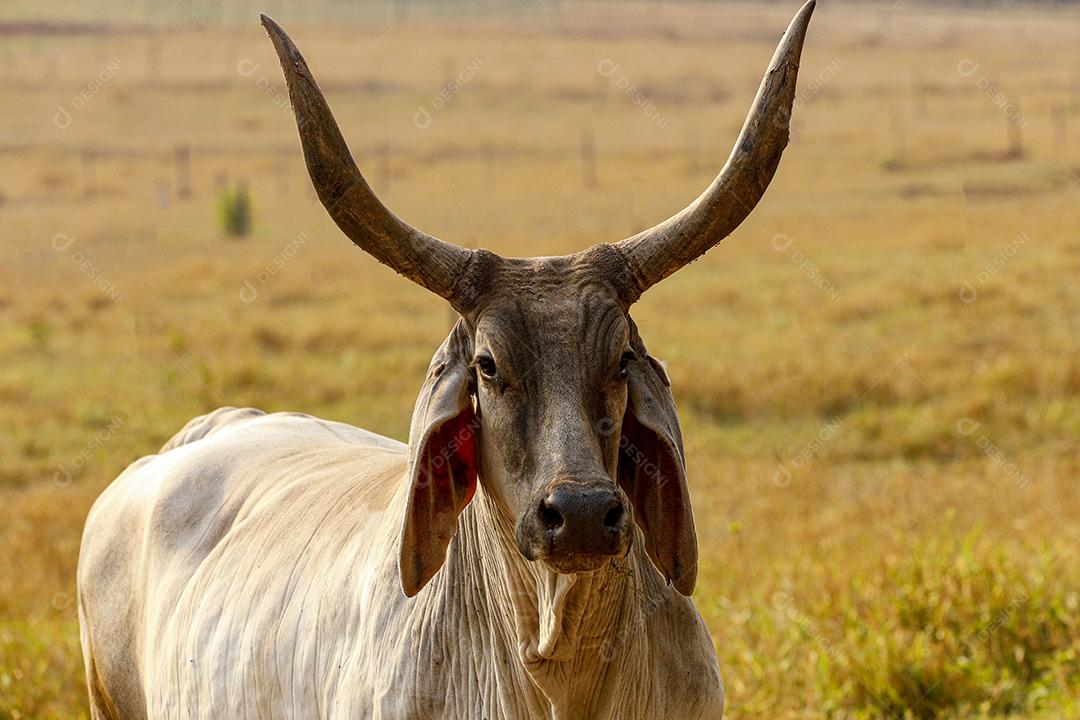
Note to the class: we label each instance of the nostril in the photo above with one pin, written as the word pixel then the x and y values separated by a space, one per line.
pixel 613 516
pixel 550 516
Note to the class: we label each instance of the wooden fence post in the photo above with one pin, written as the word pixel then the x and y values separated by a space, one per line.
pixel 492 153
pixel 691 154
pixel 918 89
pixel 153 58
pixel 382 166
pixel 1015 134
pixel 1061 126
pixel 89 175
pixel 588 158
pixel 281 170
pixel 183 170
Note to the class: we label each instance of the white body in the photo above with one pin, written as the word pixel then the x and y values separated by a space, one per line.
pixel 249 571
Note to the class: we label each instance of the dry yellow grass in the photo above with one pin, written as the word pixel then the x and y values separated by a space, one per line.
pixel 878 373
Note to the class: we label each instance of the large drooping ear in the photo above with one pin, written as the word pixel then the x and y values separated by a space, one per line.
pixel 442 461
pixel 652 470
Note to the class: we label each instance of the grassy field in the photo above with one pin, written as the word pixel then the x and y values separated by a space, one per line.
pixel 878 374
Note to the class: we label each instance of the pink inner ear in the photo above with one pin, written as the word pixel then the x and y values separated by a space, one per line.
pixel 448 467
pixel 651 475
pixel 444 483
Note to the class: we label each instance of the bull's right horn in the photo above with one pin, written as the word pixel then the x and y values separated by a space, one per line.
pixel 430 262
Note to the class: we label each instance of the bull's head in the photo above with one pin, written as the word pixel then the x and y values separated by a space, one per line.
pixel 544 389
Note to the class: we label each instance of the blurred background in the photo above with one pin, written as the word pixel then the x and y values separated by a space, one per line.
pixel 877 373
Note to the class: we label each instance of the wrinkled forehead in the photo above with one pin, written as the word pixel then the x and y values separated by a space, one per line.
pixel 551 309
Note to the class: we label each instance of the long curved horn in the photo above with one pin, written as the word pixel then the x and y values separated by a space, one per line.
pixel 348 198
pixel 661 250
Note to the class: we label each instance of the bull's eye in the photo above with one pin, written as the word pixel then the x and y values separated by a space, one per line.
pixel 624 362
pixel 486 365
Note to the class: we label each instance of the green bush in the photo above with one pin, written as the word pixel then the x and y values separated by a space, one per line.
pixel 969 628
pixel 234 211
pixel 41 668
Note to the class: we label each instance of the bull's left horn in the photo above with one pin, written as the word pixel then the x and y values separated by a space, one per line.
pixel 426 260
pixel 661 250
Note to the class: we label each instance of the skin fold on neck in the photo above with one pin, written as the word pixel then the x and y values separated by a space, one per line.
pixel 565 628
